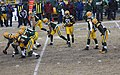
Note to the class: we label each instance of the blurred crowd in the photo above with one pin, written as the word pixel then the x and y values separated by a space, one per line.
pixel 42 9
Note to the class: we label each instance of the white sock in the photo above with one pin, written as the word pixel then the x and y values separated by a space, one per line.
pixel 34 46
pixel 23 53
pixel 34 53
pixel 37 43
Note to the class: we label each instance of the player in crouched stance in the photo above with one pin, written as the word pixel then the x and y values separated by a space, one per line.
pixel 68 21
pixel 30 33
pixel 104 34
pixel 53 28
pixel 26 45
pixel 11 41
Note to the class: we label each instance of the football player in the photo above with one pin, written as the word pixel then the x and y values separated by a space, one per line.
pixel 36 22
pixel 91 31
pixel 11 41
pixel 53 28
pixel 68 21
pixel 30 33
pixel 104 34
pixel 26 45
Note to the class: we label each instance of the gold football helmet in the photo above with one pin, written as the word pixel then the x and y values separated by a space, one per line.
pixel 95 21
pixel 45 20
pixel 88 14
pixel 21 31
pixel 6 34
pixel 67 12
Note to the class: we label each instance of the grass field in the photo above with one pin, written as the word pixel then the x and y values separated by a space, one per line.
pixel 62 60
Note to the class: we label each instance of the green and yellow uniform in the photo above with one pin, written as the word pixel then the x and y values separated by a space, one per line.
pixel 54 28
pixel 104 34
pixel 3 17
pixel 91 33
pixel 39 24
pixel 25 42
pixel 12 42
pixel 68 21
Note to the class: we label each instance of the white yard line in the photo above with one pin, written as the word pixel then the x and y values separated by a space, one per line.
pixel 39 60
pixel 117 25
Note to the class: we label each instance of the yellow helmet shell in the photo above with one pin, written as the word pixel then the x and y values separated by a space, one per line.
pixel 88 14
pixel 95 21
pixel 6 34
pixel 16 35
pixel 11 36
pixel 45 20
pixel 2 2
pixel 21 31
pixel 67 12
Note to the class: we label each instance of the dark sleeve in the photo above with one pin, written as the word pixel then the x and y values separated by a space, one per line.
pixel 43 29
pixel 101 29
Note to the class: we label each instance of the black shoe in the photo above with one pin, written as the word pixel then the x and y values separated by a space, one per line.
pixel 51 44
pixel 67 42
pixel 37 56
pixel 103 51
pixel 39 45
pixel 5 52
pixel 69 45
pixel 13 55
pixel 22 56
pixel 96 47
pixel 16 52
pixel 30 54
pixel 87 48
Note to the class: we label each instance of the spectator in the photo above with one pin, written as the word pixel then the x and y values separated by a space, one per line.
pixel 79 9
pixel 113 7
pixel 59 10
pixel 48 9
pixel 39 9
pixel 26 7
pixel 19 8
pixel 99 10
pixel 72 9
pixel 10 13
pixel 23 16
pixel 88 6
pixel 3 9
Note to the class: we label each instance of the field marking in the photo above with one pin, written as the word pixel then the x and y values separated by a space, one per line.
pixel 41 54
pixel 102 22
pixel 117 25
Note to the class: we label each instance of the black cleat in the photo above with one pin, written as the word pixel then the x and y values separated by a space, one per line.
pixel 22 56
pixel 87 48
pixel 39 45
pixel 13 55
pixel 69 45
pixel 5 52
pixel 30 54
pixel 103 51
pixel 96 47
pixel 67 42
pixel 51 44
pixel 37 56
pixel 16 52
